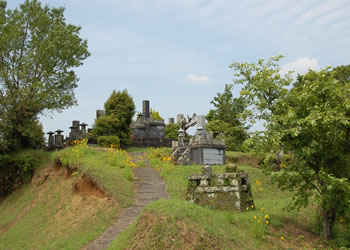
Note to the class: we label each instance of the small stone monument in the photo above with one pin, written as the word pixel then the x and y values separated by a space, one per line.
pixel 83 129
pixel 228 191
pixel 51 141
pixel 100 113
pixel 59 139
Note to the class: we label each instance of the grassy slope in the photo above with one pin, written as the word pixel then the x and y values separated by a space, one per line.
pixel 109 169
pixel 47 214
pixel 226 229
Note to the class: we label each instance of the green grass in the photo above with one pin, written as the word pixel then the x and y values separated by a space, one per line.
pixel 229 230
pixel 46 214
pixel 110 169
pixel 51 217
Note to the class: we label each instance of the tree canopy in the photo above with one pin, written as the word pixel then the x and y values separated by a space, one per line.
pixel 225 119
pixel 120 109
pixel 38 52
pixel 311 122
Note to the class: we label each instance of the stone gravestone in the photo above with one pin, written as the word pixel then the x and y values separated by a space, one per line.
pixel 100 113
pixel 51 141
pixel 59 139
pixel 145 109
pixel 171 121
pixel 83 129
pixel 201 125
pixel 179 118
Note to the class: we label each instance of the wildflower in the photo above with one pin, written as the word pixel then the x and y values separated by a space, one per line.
pixel 259 221
pixel 252 206
pixel 247 208
pixel 262 209
pixel 266 216
pixel 254 217
pixel 267 222
pixel 282 238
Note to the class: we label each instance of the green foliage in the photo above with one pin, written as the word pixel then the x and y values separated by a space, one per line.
pixel 155 115
pixel 120 109
pixel 263 86
pixel 225 120
pixel 312 122
pixel 17 169
pixel 38 51
pixel 107 141
pixel 233 136
pixel 171 131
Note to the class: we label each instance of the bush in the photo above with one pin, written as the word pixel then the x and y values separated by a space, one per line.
pixel 17 169
pixel 120 109
pixel 108 140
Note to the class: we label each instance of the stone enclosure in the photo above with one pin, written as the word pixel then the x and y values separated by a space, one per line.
pixel 227 191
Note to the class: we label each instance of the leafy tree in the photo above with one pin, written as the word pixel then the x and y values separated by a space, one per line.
pixel 171 131
pixel 312 122
pixel 155 115
pixel 225 121
pixel 120 109
pixel 38 51
pixel 263 86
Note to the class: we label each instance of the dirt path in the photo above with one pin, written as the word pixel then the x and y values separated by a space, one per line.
pixel 149 187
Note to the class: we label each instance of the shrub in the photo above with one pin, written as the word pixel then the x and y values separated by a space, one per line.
pixel 108 140
pixel 17 169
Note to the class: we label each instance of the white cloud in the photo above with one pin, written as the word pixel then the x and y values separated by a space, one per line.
pixel 195 79
pixel 301 65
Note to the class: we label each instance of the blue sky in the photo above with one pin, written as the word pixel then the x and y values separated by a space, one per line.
pixel 176 53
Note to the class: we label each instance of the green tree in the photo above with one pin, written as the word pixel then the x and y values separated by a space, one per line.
pixel 155 115
pixel 171 131
pixel 120 109
pixel 38 52
pixel 311 120
pixel 225 120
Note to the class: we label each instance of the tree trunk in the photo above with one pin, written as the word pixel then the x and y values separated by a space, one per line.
pixel 327 224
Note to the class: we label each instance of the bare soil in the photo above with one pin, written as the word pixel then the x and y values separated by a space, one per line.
pixel 149 186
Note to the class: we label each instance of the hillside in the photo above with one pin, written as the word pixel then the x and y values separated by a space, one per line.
pixel 70 205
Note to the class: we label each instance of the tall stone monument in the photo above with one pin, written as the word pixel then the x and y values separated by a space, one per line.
pixel 146 131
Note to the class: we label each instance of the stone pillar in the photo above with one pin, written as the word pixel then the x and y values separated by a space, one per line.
pixel 171 121
pixel 201 124
pixel 100 113
pixel 181 137
pixel 51 141
pixel 179 118
pixel 59 139
pixel 145 108
pixel 83 129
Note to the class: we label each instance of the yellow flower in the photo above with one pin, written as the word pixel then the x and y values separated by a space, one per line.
pixel 262 209
pixel 266 216
pixel 267 222
pixel 247 208
pixel 252 206
pixel 259 221
pixel 282 238
pixel 254 217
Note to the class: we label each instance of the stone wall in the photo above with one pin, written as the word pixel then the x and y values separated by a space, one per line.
pixel 227 191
